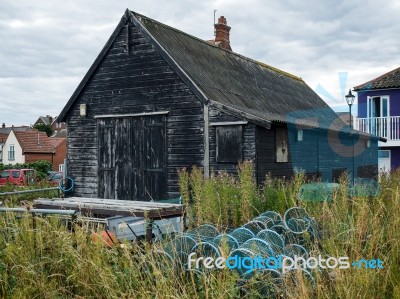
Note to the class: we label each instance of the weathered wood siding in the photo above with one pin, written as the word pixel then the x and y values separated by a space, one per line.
pixel 134 79
pixel 266 155
pixel 248 141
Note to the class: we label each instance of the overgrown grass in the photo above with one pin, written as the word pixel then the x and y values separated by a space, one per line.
pixel 46 260
pixel 14 199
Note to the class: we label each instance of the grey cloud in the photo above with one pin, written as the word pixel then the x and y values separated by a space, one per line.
pixel 47 46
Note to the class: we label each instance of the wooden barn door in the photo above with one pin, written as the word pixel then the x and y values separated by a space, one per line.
pixel 154 162
pixel 132 159
pixel 107 158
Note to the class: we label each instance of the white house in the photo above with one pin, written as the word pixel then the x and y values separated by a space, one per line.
pixel 12 150
pixel 3 138
pixel 31 146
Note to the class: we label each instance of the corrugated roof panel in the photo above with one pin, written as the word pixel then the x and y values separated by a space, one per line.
pixel 240 82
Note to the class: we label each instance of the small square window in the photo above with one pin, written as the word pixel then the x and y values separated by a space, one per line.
pixel 229 144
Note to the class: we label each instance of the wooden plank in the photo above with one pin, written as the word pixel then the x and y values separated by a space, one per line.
pixel 127 40
pixel 107 206
pixel 133 84
pixel 119 202
pixel 206 145
pixel 155 215
pixel 94 66
pixel 151 210
pixel 132 114
pixel 228 123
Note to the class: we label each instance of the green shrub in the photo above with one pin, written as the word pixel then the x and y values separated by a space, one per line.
pixel 42 167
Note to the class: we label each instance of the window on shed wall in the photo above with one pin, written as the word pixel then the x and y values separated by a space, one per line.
pixel 229 144
pixel 281 145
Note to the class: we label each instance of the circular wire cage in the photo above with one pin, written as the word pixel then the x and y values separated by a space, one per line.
pixel 297 220
pixel 275 240
pixel 268 222
pixel 276 217
pixel 206 249
pixel 163 259
pixel 287 235
pixel 204 232
pixel 226 240
pixel 258 246
pixel 242 261
pixel 293 250
pixel 180 247
pixel 242 234
pixel 255 226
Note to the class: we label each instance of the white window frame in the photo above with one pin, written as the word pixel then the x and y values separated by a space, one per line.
pixel 369 101
pixel 386 151
pixel 12 150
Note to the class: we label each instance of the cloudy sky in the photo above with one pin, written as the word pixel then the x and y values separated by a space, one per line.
pixel 46 46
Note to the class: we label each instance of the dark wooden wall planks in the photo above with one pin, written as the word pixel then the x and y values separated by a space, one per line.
pixel 134 78
pixel 248 141
pixel 139 82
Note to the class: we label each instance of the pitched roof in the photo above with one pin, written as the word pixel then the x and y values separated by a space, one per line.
pixel 235 81
pixel 47 120
pixel 3 137
pixel 55 141
pixel 229 81
pixel 7 130
pixel 387 80
pixel 34 142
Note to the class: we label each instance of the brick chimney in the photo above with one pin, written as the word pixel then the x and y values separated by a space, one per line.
pixel 222 34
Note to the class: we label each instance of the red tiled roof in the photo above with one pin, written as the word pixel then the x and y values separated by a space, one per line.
pixel 3 137
pixel 55 141
pixel 387 80
pixel 35 142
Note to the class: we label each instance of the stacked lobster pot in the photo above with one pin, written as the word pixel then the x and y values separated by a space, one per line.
pixel 268 236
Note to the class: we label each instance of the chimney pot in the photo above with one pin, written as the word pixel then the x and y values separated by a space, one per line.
pixel 222 20
pixel 3 125
pixel 222 34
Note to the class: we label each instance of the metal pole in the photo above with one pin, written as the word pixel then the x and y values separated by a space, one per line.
pixel 215 32
pixel 351 127
pixel 354 170
pixel 351 122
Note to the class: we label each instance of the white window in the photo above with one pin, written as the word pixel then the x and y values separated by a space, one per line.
pixel 384 161
pixel 378 114
pixel 378 106
pixel 11 153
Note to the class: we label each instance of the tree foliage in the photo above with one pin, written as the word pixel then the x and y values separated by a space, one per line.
pixel 44 128
pixel 42 167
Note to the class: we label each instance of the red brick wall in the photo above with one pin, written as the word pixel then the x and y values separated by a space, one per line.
pixel 55 159
pixel 33 157
pixel 61 154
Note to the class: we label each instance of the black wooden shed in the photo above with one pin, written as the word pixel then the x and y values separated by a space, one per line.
pixel 157 99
